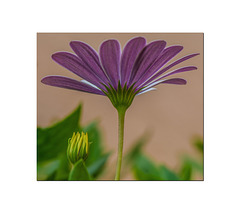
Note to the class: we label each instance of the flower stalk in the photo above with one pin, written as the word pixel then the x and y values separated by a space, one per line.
pixel 121 117
pixel 121 99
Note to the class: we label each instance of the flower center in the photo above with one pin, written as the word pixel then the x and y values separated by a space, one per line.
pixel 121 97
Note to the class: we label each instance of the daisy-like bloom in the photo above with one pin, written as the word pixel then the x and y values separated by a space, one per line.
pixel 120 75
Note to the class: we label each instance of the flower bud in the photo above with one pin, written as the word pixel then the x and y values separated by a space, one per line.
pixel 78 147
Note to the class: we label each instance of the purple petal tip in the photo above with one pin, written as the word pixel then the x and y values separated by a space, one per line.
pixel 45 80
pixel 179 81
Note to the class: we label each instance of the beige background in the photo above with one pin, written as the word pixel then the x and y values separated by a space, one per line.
pixel 172 114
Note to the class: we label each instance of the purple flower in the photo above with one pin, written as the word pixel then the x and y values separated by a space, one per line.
pixel 119 76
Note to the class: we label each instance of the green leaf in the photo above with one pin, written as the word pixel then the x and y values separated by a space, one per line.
pixel 63 170
pixel 52 141
pixel 136 149
pixel 94 137
pixel 97 158
pixel 198 143
pixel 189 166
pixel 51 177
pixel 167 174
pixel 97 167
pixel 57 169
pixel 144 169
pixel 46 169
pixel 197 166
pixel 52 146
pixel 79 172
pixel 186 171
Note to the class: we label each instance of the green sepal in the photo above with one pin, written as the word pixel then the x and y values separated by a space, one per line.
pixel 121 97
pixel 79 172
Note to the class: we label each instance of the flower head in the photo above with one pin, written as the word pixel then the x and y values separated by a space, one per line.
pixel 119 75
pixel 78 147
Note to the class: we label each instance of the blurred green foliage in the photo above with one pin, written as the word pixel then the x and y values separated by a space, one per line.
pixel 144 168
pixel 52 162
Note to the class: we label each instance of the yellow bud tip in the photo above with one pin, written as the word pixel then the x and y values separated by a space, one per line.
pixel 78 147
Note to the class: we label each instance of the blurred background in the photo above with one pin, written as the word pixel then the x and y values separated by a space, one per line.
pixel 171 116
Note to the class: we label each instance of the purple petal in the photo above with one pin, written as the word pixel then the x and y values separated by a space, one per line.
pixel 178 81
pixel 170 66
pixel 75 65
pixel 146 59
pixel 89 59
pixel 110 57
pixel 129 55
pixel 183 69
pixel 166 56
pixel 146 90
pixel 167 81
pixel 69 83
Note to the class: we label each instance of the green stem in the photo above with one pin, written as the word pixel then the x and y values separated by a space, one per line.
pixel 121 116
